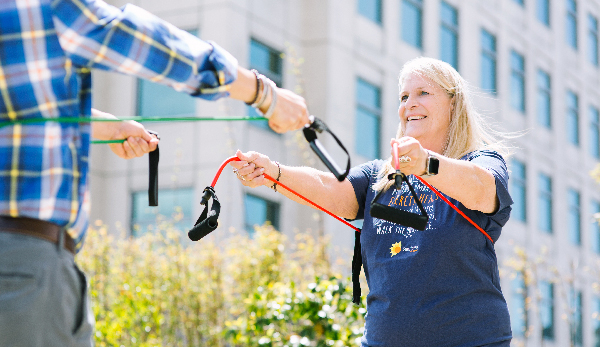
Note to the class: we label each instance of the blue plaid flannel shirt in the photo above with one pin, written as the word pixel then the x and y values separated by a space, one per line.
pixel 47 49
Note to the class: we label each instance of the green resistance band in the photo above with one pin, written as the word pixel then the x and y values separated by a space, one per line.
pixel 137 119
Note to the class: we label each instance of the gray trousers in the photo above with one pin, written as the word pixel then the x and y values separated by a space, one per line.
pixel 43 295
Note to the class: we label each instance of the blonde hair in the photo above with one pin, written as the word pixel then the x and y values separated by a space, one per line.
pixel 467 131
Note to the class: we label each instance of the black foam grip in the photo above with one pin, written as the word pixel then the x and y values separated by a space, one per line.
pixel 356 266
pixel 203 228
pixel 397 216
pixel 154 157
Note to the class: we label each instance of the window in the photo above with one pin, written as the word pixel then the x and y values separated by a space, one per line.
pixel 412 22
pixel 576 319
pixel 260 211
pixel 157 100
pixel 571 23
pixel 543 11
pixel 518 191
pixel 518 308
pixel 574 216
pixel 545 203
pixel 488 62
pixel 594 132
pixel 595 227
pixel 449 35
pixel 544 108
pixel 175 205
pixel 517 81
pixel 368 115
pixel 547 309
pixel 593 39
pixel 370 9
pixel 596 322
pixel 573 118
pixel 269 63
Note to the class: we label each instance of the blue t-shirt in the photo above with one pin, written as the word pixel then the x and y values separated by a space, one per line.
pixel 437 287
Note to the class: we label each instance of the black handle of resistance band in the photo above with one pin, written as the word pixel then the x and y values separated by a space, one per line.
pixel 356 266
pixel 208 221
pixel 394 215
pixel 153 158
pixel 310 134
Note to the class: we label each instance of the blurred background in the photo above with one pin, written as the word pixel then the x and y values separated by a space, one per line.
pixel 534 67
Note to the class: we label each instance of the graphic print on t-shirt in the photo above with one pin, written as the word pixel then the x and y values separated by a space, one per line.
pixel 402 199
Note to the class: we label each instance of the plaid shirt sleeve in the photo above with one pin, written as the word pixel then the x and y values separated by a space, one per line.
pixel 133 41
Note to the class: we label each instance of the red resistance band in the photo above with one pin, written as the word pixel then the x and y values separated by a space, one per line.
pixel 396 165
pixel 214 182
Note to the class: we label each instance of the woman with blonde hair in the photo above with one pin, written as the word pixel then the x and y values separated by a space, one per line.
pixel 440 286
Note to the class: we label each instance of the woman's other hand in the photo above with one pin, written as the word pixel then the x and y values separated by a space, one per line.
pixel 412 156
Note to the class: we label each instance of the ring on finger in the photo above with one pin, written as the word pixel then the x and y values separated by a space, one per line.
pixel 404 159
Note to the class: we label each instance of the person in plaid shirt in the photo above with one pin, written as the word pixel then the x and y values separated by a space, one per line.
pixel 47 51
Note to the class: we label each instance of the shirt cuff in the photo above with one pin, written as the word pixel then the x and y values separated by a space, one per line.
pixel 218 72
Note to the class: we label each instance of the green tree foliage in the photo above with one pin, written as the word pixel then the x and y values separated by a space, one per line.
pixel 160 289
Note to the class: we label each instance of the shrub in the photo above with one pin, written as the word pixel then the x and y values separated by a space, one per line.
pixel 160 289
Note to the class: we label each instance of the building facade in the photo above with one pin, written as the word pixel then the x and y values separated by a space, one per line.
pixel 535 69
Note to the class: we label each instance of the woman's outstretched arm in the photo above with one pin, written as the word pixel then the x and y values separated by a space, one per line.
pixel 318 186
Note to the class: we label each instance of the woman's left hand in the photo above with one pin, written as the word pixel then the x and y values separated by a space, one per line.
pixel 412 156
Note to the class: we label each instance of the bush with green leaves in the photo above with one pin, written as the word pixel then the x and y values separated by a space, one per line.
pixel 160 289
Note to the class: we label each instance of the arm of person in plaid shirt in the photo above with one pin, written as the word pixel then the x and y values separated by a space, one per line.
pixel 133 41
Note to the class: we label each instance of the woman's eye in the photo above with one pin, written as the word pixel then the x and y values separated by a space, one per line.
pixel 403 97
pixel 424 92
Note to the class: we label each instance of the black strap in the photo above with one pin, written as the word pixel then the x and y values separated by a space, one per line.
pixel 397 216
pixel 356 266
pixel 153 158
pixel 310 134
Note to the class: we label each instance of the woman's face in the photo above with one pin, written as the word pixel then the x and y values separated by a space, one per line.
pixel 425 109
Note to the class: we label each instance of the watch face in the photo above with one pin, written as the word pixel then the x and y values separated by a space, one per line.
pixel 434 165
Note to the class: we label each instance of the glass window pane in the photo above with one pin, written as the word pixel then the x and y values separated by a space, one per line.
pixel 544 99
pixel 596 322
pixel 368 113
pixel 412 22
pixel 594 132
pixel 572 118
pixel 543 11
pixel 576 326
pixel 518 190
pixel 545 203
pixel 370 9
pixel 517 81
pixel 259 211
pixel 595 227
pixel 175 205
pixel 571 23
pixel 547 309
pixel 574 218
pixel 367 134
pixel 449 35
pixel 488 62
pixel 518 311
pixel 593 39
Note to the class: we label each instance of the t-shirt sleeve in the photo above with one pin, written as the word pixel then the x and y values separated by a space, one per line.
pixel 360 177
pixel 493 162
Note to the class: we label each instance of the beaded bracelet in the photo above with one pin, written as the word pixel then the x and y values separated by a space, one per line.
pixel 257 87
pixel 274 186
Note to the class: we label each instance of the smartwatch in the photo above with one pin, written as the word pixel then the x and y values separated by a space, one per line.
pixel 432 166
